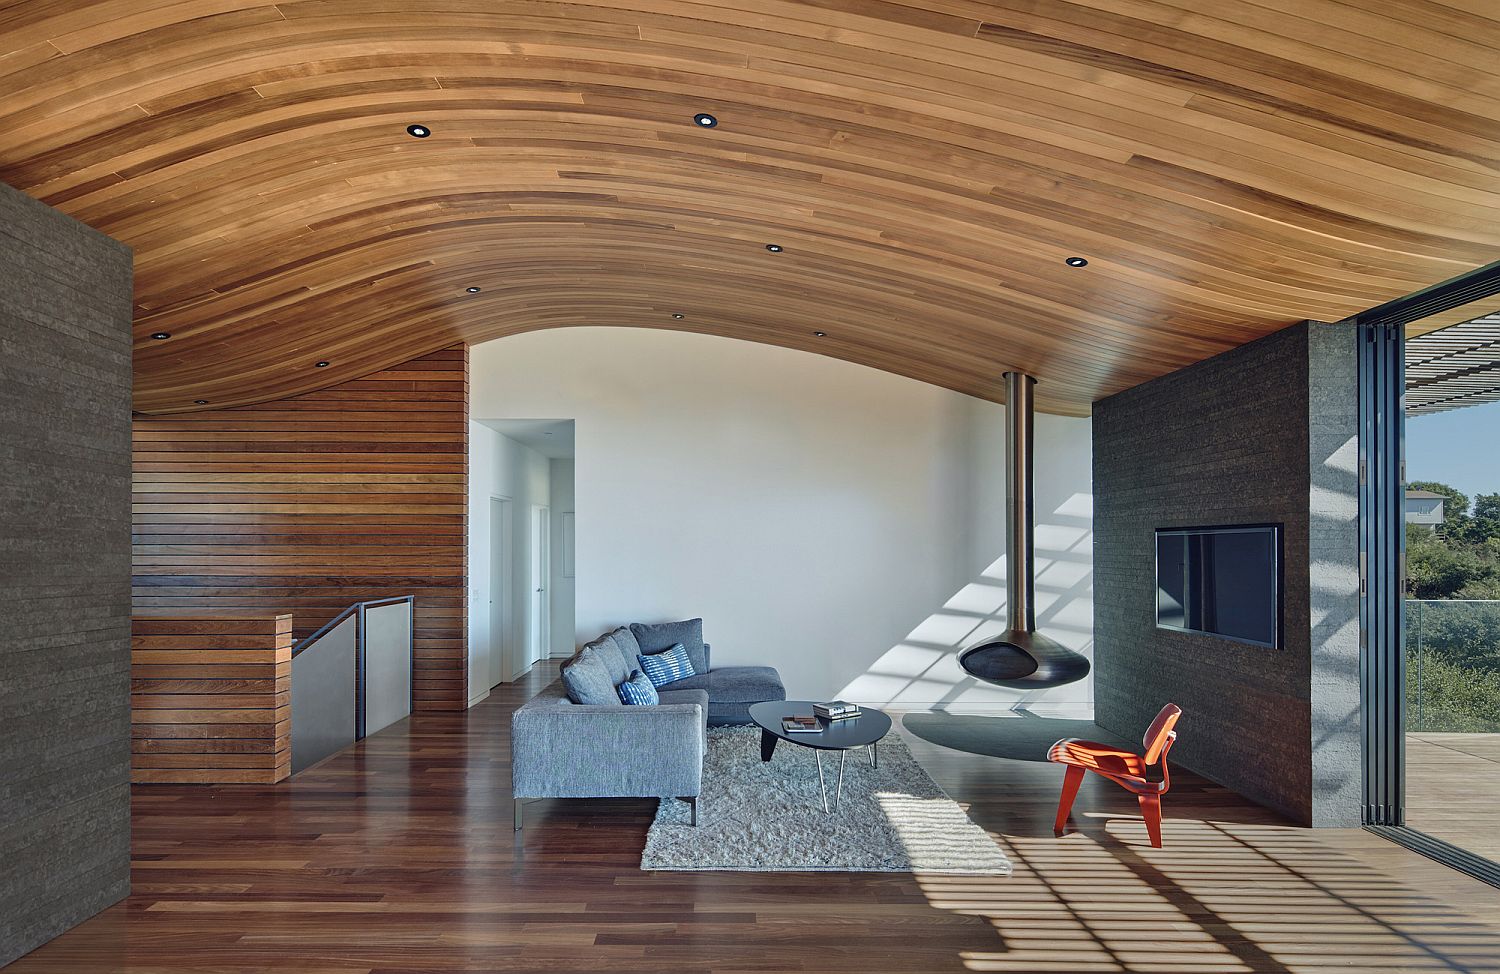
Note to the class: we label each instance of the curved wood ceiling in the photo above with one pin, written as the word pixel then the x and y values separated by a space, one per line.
pixel 1227 168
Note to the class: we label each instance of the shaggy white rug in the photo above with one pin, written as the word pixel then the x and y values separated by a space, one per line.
pixel 768 817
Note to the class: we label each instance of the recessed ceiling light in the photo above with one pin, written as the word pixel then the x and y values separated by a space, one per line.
pixel 161 336
pixel 820 334
pixel 472 290
pixel 321 365
pixel 201 402
pixel 678 315
pixel 1077 262
pixel 704 120
pixel 774 248
pixel 418 131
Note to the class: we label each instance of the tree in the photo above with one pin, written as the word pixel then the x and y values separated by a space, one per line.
pixel 1484 526
pixel 1453 646
pixel 1437 568
pixel 1461 558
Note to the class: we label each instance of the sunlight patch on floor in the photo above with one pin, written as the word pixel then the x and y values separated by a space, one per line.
pixel 1219 897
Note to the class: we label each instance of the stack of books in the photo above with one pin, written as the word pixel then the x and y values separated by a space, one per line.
pixel 836 710
pixel 801 725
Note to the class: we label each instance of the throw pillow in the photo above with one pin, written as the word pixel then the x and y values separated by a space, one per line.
pixel 667 667
pixel 625 639
pixel 655 637
pixel 638 691
pixel 587 680
pixel 614 657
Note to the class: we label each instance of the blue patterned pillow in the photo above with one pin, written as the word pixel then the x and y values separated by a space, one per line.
pixel 638 690
pixel 668 666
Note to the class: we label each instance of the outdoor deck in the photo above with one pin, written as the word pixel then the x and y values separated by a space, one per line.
pixel 1453 789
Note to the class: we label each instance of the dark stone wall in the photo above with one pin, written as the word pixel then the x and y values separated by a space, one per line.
pixel 1232 440
pixel 65 310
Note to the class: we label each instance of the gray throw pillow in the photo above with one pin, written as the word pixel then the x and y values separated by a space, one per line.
pixel 625 639
pixel 587 680
pixel 613 656
pixel 658 636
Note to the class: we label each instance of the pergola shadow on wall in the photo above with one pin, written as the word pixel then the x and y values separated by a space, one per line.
pixel 921 672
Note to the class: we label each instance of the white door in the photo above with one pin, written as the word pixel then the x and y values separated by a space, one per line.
pixel 502 610
pixel 539 623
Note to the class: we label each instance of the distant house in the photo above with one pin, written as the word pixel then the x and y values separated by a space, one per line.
pixel 1424 507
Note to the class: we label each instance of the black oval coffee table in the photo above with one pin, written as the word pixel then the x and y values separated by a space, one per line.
pixel 843 736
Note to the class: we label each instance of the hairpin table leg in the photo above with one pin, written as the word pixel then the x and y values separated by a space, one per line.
pixel 838 794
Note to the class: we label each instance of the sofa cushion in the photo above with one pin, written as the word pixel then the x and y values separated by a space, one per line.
pixel 667 667
pixel 638 691
pixel 587 679
pixel 698 681
pixel 629 648
pixel 657 636
pixel 698 697
pixel 731 690
pixel 610 654
pixel 745 684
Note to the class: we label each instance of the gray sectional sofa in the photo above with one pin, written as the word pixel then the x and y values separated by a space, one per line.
pixel 561 748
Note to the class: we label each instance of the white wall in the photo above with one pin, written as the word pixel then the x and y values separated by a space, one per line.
pixel 500 467
pixel 563 597
pixel 834 521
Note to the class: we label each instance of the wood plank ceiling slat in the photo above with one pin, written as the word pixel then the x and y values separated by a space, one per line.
pixel 927 166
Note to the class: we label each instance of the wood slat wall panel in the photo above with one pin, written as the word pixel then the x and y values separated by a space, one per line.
pixel 211 696
pixel 311 504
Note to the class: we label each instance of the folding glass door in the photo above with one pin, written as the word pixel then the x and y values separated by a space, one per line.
pixel 1430 555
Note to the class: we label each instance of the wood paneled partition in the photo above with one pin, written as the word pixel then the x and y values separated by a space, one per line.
pixel 309 504
pixel 211 697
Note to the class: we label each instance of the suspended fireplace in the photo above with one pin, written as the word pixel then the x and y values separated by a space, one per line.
pixel 1020 657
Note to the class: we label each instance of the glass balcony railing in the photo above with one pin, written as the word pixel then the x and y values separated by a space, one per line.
pixel 1453 666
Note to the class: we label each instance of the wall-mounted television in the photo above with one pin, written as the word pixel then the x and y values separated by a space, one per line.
pixel 1221 581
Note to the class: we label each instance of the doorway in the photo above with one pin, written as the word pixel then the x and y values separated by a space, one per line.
pixel 521 479
pixel 502 608
pixel 539 619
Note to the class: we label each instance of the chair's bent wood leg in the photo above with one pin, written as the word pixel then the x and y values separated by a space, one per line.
pixel 1071 781
pixel 1151 812
pixel 520 814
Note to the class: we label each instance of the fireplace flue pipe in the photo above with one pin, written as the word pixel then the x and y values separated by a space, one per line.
pixel 1020 502
pixel 1021 657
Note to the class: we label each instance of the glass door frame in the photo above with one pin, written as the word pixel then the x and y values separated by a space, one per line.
pixel 1382 559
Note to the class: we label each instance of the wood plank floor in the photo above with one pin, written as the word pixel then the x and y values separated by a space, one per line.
pixel 1453 789
pixel 398 856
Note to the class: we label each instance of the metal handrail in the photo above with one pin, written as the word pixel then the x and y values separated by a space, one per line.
pixel 307 641
pixel 358 611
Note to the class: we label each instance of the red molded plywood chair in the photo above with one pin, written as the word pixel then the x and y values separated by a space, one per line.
pixel 1125 768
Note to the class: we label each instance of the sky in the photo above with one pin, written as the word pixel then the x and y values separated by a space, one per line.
pixel 1460 448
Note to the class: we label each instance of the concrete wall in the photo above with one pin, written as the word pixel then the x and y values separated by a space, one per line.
pixel 65 306
pixel 840 523
pixel 1264 433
